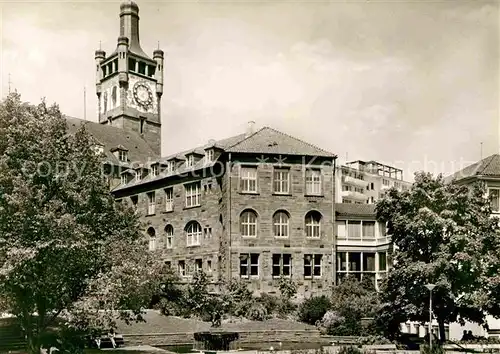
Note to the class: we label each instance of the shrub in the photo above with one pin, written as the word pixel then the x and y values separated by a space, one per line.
pixel 270 302
pixel 239 298
pixel 349 350
pixel 313 309
pixel 256 312
pixel 285 308
pixel 436 349
pixel 288 288
pixel 349 326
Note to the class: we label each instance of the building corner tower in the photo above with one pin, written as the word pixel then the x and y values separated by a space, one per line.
pixel 129 84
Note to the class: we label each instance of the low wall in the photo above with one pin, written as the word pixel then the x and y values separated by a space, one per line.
pixel 244 337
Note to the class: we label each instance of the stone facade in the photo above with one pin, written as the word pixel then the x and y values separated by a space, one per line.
pixel 221 245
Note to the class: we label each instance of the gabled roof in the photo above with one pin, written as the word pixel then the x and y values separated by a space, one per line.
pixel 271 141
pixel 111 137
pixel 349 209
pixel 489 166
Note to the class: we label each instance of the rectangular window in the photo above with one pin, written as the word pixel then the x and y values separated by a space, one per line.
pixel 154 170
pixel 249 265
pixel 312 265
pixel 209 266
pixel 354 229
pixel 281 181
pixel 341 229
pixel 169 199
pixel 193 194
pixel 207 232
pixel 151 203
pixel 368 229
pixel 313 182
pixel 124 178
pixel 170 166
pixel 342 261
pixel 382 261
pixel 135 200
pixel 368 262
pixel 248 179
pixel 198 265
pixel 182 268
pixel 209 155
pixel 354 262
pixel 122 155
pixel 190 161
pixel 282 265
pixel 495 199
pixel 385 182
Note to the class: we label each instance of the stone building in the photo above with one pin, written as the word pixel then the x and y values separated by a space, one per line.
pixel 255 207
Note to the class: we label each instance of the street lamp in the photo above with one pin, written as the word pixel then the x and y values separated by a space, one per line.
pixel 430 287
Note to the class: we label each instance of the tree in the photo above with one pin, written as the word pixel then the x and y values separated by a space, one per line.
pixel 440 233
pixel 71 257
pixel 352 300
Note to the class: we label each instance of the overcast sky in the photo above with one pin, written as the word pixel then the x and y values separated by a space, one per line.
pixel 408 83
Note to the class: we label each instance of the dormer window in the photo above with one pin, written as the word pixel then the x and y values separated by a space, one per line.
pixel 209 155
pixel 124 179
pixel 122 155
pixel 154 170
pixel 170 166
pixel 138 175
pixel 190 161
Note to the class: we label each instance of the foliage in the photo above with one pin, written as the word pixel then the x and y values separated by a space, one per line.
pixel 349 350
pixel 288 288
pixel 436 349
pixel 68 249
pixel 269 302
pixel 350 302
pixel 373 340
pixel 256 312
pixel 197 296
pixel 239 298
pixel 313 309
pixel 443 235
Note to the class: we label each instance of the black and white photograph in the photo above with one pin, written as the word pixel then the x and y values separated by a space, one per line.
pixel 249 176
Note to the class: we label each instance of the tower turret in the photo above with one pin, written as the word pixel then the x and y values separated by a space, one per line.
pixel 122 50
pixel 129 26
pixel 158 57
pixel 99 57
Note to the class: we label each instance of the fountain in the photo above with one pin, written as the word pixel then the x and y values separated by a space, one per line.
pixel 214 340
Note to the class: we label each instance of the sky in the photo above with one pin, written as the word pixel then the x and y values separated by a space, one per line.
pixel 414 84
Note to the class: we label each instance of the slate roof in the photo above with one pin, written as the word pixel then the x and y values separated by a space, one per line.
pixel 264 141
pixel 489 166
pixel 112 137
pixel 201 163
pixel 270 141
pixel 348 209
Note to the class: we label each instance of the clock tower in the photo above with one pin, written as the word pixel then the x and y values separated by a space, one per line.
pixel 129 84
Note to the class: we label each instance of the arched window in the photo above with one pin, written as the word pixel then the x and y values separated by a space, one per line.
pixel 281 221
pixel 169 233
pixel 113 96
pixel 193 233
pixel 313 224
pixel 248 223
pixel 152 238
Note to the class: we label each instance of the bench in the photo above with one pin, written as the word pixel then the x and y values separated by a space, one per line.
pixel 106 341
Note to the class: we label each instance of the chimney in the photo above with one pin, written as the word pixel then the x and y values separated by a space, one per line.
pixel 250 128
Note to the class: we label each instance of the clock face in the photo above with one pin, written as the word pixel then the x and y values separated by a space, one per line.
pixel 143 95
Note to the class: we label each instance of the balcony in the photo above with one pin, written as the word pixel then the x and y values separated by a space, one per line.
pixel 355 182
pixel 354 195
